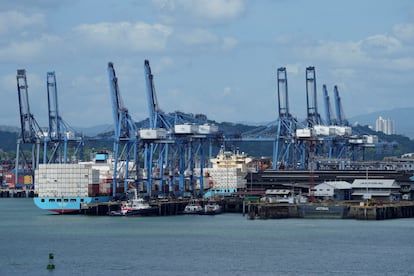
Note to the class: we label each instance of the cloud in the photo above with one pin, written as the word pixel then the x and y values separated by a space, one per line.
pixel 227 91
pixel 200 11
pixel 229 43
pixel 205 38
pixel 380 45
pixel 404 32
pixel 134 37
pixel 12 21
pixel 39 48
pixel 198 37
pixel 217 10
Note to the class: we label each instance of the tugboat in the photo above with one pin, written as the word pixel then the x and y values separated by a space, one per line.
pixel 135 206
pixel 193 207
pixel 212 208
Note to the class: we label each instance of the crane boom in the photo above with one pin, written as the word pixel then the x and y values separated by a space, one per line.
pixel 342 121
pixel 282 93
pixel 52 101
pixel 328 108
pixel 124 126
pixel 157 118
pixel 30 129
pixel 313 117
pixel 152 97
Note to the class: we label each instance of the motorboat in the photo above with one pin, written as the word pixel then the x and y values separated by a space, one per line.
pixel 193 207
pixel 212 208
pixel 137 206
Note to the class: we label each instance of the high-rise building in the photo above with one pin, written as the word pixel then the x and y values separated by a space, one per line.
pixel 385 125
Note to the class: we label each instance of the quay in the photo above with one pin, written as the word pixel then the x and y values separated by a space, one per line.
pixel 264 210
pixel 165 208
pixel 13 193
pixel 330 210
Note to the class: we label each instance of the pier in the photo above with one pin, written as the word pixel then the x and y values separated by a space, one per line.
pixel 165 208
pixel 338 210
pixel 12 193
pixel 389 211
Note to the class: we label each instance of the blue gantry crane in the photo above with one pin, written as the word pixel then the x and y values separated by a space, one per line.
pixel 156 142
pixel 177 141
pixel 30 131
pixel 286 149
pixel 125 137
pixel 313 116
pixel 59 135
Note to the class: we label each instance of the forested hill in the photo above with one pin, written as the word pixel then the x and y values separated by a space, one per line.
pixel 394 145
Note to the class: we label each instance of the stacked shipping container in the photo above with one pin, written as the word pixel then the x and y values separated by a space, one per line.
pixel 62 180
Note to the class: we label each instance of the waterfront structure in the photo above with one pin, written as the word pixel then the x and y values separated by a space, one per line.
pixel 333 190
pixel 379 189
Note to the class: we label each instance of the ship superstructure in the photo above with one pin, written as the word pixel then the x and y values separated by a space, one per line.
pixel 227 174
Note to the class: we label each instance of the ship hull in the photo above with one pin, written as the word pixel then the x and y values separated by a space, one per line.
pixel 67 205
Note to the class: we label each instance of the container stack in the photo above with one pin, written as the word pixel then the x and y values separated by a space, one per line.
pixel 62 180
pixel 226 177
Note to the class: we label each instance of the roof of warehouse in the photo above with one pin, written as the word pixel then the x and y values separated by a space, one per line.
pixel 338 185
pixel 375 183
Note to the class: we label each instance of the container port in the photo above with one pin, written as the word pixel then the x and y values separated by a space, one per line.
pixel 317 169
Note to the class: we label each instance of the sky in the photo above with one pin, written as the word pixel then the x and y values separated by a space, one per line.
pixel 214 57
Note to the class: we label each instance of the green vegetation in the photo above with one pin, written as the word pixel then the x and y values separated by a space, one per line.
pixel 389 145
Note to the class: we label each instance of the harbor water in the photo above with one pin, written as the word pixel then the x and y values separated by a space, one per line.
pixel 227 244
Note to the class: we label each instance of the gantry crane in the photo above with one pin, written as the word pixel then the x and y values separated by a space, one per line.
pixel 155 138
pixel 176 139
pixel 285 147
pixel 313 116
pixel 60 134
pixel 125 137
pixel 30 132
pixel 310 145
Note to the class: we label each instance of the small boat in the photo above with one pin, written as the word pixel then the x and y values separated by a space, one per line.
pixel 136 206
pixel 212 208
pixel 193 207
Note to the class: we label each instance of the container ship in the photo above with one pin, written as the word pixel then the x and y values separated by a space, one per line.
pixel 65 188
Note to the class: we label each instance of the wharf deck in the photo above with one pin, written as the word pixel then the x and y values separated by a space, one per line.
pixel 165 207
pixel 338 210
pixel 14 193
pixel 264 210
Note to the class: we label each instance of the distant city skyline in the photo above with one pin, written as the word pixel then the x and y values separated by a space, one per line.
pixel 215 57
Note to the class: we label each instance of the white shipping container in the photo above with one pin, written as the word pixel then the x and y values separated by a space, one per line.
pixel 342 131
pixel 371 139
pixel 356 141
pixel 153 133
pixel 320 130
pixel 207 129
pixel 304 133
pixel 185 129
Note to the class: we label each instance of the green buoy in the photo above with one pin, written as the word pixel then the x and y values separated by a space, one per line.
pixel 51 264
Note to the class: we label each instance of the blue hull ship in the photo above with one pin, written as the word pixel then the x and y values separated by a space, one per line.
pixel 66 205
pixel 66 188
